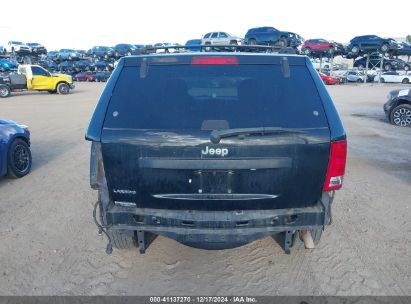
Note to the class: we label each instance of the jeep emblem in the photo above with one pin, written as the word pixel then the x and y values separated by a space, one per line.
pixel 218 151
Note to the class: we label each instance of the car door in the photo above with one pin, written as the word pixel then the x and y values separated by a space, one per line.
pixel 223 39
pixel 395 77
pixel 373 42
pixel 41 79
pixel 206 38
pixel 214 38
pixel 366 42
pixel 387 77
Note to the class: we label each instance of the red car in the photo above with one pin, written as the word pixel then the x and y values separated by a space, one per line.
pixel 84 76
pixel 318 45
pixel 328 79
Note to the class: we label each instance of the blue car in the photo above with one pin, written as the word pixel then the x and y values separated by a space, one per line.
pixel 100 65
pixel 15 154
pixel 371 43
pixel 82 65
pixel 7 65
pixel 404 49
pixel 101 52
pixel 194 45
pixel 270 36
pixel 101 76
pixel 53 55
pixel 65 66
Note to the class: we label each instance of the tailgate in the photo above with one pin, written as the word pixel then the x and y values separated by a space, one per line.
pixel 170 170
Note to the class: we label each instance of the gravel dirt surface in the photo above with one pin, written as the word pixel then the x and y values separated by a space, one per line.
pixel 50 246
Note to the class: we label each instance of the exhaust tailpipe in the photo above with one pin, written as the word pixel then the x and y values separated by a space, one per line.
pixel 305 236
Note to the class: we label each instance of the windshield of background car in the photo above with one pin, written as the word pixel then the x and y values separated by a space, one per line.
pixel 186 96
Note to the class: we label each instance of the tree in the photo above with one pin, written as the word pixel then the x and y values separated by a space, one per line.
pixel 408 38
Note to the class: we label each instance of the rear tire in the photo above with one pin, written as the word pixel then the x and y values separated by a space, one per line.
pixel 122 239
pixel 4 91
pixel 63 88
pixel 355 49
pixel 360 81
pixel 283 42
pixel 405 81
pixel 252 41
pixel 384 48
pixel 18 159
pixel 382 80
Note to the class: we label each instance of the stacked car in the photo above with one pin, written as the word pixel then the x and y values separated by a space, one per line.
pixel 318 45
pixel 367 51
pixel 272 36
pixel 369 43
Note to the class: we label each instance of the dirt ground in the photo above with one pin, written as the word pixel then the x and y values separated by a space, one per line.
pixel 50 246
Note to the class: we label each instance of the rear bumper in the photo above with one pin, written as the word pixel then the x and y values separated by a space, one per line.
pixel 218 229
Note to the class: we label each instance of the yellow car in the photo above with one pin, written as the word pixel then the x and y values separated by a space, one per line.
pixel 35 78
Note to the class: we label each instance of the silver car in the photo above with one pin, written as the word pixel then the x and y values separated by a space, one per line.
pixel 221 38
pixel 355 76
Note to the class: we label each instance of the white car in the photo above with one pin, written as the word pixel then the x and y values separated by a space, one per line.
pixel 326 64
pixel 221 38
pixel 393 77
pixel 17 47
pixel 167 47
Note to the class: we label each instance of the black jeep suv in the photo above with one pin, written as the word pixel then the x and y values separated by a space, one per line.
pixel 215 150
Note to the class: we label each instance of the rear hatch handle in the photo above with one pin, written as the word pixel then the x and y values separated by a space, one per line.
pixel 217 135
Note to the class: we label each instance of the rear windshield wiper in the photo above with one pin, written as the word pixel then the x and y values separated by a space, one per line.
pixel 217 135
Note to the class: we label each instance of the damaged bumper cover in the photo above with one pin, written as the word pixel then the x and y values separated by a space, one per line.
pixel 218 229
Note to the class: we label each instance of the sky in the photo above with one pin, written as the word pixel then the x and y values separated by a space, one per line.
pixel 82 24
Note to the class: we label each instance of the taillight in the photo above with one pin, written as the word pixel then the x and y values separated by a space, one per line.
pixel 336 166
pixel 227 60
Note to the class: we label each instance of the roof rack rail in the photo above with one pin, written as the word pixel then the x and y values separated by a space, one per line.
pixel 221 48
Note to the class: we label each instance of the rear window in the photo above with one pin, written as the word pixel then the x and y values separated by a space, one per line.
pixel 189 97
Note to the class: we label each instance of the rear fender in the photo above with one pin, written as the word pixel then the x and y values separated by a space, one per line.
pixel 403 100
pixel 4 148
pixel 97 175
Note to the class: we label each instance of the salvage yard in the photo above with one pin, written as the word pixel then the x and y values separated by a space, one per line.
pixel 50 245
